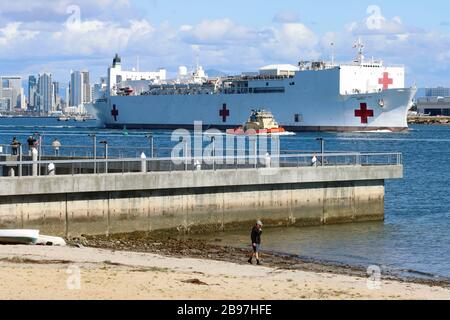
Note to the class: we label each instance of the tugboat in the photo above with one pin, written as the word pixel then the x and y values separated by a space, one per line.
pixel 261 122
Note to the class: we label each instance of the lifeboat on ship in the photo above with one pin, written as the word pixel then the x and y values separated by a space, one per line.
pixel 261 122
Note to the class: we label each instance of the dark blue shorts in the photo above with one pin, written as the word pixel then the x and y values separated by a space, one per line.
pixel 256 248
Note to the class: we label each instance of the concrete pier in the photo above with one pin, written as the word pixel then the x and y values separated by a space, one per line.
pixel 111 203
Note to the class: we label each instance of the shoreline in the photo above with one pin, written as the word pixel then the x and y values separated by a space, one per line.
pixel 72 273
pixel 429 120
pixel 170 244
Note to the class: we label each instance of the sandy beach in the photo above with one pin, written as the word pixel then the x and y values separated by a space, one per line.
pixel 34 272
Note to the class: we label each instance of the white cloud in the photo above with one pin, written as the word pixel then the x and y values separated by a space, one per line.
pixel 293 41
pixel 56 10
pixel 59 6
pixel 216 32
pixel 30 43
pixel 287 41
pixel 11 34
pixel 377 24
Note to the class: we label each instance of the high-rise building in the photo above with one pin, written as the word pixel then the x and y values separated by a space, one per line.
pixel 76 89
pixel 32 92
pixel 45 93
pixel 23 99
pixel 11 93
pixel 56 103
pixel 99 89
pixel 67 96
pixel 87 93
pixel 80 88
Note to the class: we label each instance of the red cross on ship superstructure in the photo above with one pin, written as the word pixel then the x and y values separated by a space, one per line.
pixel 386 81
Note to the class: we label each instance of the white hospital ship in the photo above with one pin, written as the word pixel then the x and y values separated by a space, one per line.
pixel 312 96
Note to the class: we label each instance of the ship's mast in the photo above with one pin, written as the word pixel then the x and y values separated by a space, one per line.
pixel 332 54
pixel 197 61
pixel 360 46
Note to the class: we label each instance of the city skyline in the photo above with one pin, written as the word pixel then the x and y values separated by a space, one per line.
pixel 77 35
pixel 42 94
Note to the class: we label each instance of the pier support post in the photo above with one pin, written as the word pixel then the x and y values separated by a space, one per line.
pixel 51 169
pixel 268 160
pixel 20 160
pixel 34 154
pixel 143 163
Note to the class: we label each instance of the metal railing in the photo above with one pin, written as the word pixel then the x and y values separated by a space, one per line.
pixel 147 165
pixel 119 152
pixel 80 151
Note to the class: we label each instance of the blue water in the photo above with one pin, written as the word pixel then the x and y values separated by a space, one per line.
pixel 415 235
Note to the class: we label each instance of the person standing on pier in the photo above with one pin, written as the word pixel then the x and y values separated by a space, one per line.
pixel 56 146
pixel 256 242
pixel 314 161
pixel 15 145
pixel 31 144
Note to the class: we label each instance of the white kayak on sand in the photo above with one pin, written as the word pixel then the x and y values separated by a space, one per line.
pixel 18 236
pixel 51 241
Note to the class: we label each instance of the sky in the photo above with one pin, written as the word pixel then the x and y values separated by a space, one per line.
pixel 232 36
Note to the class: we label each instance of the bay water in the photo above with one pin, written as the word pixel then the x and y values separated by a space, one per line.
pixel 415 235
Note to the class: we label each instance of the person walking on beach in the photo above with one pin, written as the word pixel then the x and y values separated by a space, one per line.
pixel 256 242
pixel 56 146
pixel 15 145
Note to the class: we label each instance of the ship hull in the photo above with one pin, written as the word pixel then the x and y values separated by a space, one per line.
pixel 143 126
pixel 294 110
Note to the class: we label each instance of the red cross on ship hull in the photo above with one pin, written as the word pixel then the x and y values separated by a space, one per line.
pixel 224 113
pixel 364 113
pixel 115 112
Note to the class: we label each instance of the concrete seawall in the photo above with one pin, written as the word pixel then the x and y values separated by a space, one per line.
pixel 97 204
